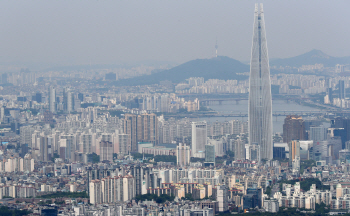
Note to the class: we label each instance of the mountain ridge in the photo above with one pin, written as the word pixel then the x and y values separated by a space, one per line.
pixel 220 67
pixel 310 58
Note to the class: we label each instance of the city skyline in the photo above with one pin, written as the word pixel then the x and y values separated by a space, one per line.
pixel 201 138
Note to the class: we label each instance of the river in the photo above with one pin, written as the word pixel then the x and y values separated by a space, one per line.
pixel 242 107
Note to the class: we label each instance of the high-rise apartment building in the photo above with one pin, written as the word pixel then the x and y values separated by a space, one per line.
pixel 238 147
pixel 87 143
pixel 52 99
pixel 260 102
pixel 221 193
pixel 66 149
pixel 141 128
pixel 44 156
pixel 106 151
pixel 341 89
pixel 130 127
pixel 124 144
pixel 329 93
pixel 293 128
pixel 199 138
pixel 68 100
pixel 183 155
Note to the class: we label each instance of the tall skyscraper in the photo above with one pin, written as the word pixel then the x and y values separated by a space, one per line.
pixel 199 139
pixel 52 99
pixel 130 127
pixel 260 102
pixel 68 100
pixel 183 155
pixel 341 89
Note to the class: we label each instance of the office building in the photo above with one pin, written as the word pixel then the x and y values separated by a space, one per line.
pixel 260 102
pixel 209 155
pixel 199 139
pixel 293 128
pixel 294 150
pixel 253 198
pixel 280 150
pixel 318 133
pixel 38 97
pixel 253 152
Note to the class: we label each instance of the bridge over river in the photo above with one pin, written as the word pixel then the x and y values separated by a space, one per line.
pixel 245 114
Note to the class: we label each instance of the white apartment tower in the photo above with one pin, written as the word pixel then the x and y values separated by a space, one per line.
pixel 183 155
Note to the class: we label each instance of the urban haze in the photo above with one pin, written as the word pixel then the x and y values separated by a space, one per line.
pixel 174 108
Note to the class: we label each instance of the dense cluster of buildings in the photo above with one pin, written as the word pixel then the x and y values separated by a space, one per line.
pixel 72 143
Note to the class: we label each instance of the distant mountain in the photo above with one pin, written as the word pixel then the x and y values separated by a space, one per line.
pixel 215 68
pixel 310 58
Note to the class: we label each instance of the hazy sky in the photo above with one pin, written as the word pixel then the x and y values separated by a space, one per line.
pixel 78 32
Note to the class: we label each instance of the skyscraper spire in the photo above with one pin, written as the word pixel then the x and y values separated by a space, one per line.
pixel 260 101
pixel 216 48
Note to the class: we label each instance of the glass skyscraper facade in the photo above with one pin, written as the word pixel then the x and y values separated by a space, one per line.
pixel 260 101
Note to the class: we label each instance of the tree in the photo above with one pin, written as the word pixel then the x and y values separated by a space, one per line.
pixel 5 211
pixel 188 196
pixel 82 194
pixel 159 199
pixel 95 158
pixel 268 191
pixel 165 158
